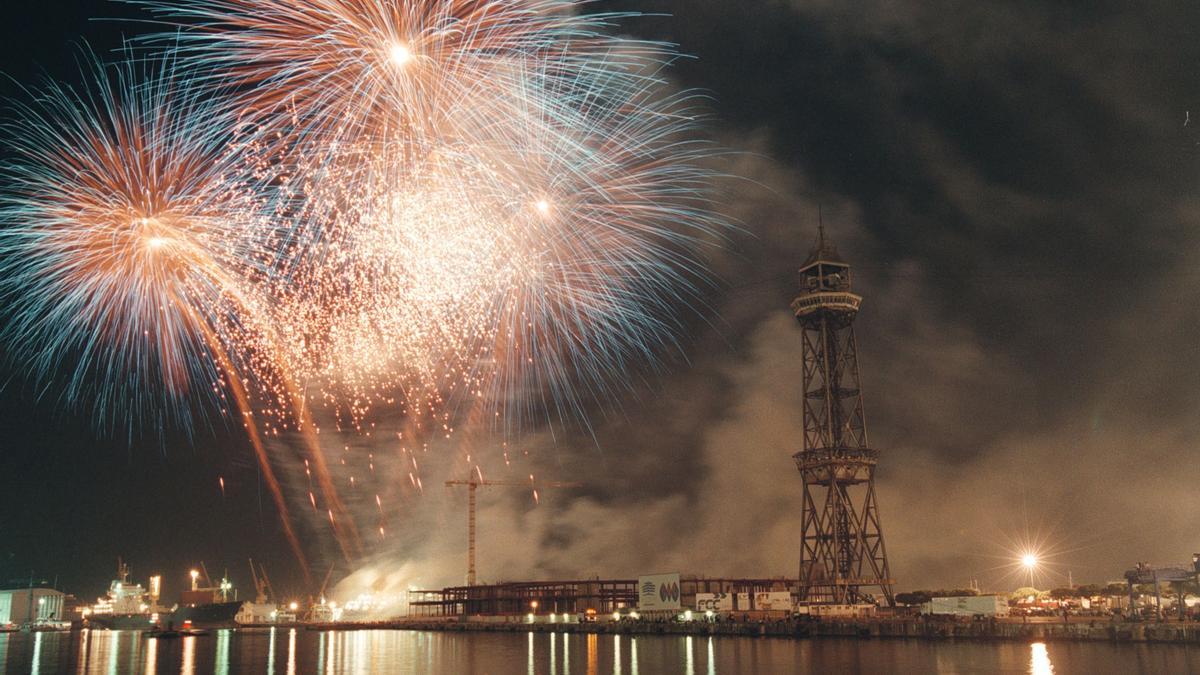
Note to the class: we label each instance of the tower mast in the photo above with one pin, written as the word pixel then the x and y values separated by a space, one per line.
pixel 841 549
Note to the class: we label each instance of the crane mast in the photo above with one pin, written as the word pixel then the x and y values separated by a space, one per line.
pixel 472 484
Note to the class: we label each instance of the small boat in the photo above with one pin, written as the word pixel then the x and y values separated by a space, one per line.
pixel 164 634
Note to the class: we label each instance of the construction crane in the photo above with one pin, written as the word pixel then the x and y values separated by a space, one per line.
pixel 267 582
pixel 262 585
pixel 320 613
pixel 472 484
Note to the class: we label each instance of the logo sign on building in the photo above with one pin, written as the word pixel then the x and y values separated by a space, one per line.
pixel 658 591
pixel 714 602
pixel 773 601
pixel 743 602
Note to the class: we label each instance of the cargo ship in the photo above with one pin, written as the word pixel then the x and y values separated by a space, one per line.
pixel 205 606
pixel 207 615
pixel 127 606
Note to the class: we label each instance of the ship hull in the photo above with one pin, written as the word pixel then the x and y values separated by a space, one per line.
pixel 216 615
pixel 121 621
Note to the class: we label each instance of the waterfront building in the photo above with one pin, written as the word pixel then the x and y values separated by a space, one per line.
pixel 22 605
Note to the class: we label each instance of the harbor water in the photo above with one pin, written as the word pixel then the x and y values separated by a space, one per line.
pixel 293 651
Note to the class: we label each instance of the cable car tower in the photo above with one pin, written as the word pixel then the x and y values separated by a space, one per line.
pixel 841 549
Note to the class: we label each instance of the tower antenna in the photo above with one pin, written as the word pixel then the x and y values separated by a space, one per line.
pixel 820 228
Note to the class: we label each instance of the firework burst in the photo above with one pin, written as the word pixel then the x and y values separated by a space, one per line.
pixel 127 253
pixel 125 247
pixel 495 200
pixel 480 210
pixel 341 70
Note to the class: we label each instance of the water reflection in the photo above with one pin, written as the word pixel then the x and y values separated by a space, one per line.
pixel 189 655
pixel 223 652
pixel 1039 660
pixel 37 650
pixel 102 652
pixel 81 658
pixel 151 657
pixel 113 642
pixel 292 652
pixel 532 668
pixel 592 656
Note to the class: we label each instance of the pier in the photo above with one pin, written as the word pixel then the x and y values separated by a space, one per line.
pixel 880 628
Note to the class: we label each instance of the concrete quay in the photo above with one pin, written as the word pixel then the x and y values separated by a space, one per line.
pixel 1011 630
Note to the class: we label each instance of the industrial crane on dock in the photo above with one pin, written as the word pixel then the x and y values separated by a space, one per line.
pixel 262 585
pixel 475 482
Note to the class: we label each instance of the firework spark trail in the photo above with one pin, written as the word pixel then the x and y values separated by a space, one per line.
pixel 124 250
pixel 461 209
pixel 331 70
pixel 490 203
pixel 496 197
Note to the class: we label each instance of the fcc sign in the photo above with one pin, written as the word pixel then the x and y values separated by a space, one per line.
pixel 658 591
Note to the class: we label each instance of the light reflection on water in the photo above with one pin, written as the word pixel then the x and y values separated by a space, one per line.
pixel 291 650
pixel 151 657
pixel 189 655
pixel 1039 660
pixel 304 651
pixel 616 655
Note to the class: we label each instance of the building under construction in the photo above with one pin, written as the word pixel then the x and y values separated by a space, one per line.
pixel 842 552
pixel 587 597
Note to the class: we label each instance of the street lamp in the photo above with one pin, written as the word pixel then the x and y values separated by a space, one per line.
pixel 1029 561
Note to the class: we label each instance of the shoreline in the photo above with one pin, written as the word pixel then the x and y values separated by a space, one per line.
pixel 1099 631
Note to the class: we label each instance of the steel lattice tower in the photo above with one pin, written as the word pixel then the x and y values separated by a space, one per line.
pixel 841 550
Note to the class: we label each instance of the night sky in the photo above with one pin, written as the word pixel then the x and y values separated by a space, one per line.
pixel 1017 188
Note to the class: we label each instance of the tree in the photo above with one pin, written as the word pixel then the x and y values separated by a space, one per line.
pixel 1025 592
pixel 913 598
pixel 953 593
pixel 1063 593
pixel 1117 589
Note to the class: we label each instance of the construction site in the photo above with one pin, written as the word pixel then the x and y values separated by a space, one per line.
pixel 843 563
pixel 591 598
pixel 843 572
